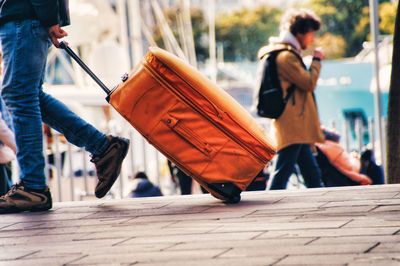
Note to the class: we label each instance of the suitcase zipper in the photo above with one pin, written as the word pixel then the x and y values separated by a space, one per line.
pixel 161 80
pixel 189 135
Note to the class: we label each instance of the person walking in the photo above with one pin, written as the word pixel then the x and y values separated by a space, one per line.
pixel 27 30
pixel 298 127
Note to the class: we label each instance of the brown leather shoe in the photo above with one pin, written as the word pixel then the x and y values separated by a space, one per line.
pixel 108 164
pixel 21 198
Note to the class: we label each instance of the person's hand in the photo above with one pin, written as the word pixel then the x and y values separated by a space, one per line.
pixel 318 53
pixel 56 32
pixel 365 180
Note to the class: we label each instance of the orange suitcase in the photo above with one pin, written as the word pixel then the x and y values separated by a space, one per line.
pixel 193 122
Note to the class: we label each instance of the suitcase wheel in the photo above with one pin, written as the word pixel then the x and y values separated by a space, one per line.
pixel 228 191
pixel 235 199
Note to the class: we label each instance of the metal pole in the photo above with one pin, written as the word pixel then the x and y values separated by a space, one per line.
pixel 71 172
pixel 46 159
pixel 144 152
pixel 373 13
pixel 189 33
pixel 72 54
pixel 57 162
pixel 333 124
pixel 157 157
pixel 129 33
pixel 132 157
pixel 347 135
pixel 121 8
pixel 371 130
pixel 211 23
pixel 84 171
pixel 359 129
pixel 170 42
pixel 383 122
pixel 135 26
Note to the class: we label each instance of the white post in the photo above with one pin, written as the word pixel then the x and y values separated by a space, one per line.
pixel 211 33
pixel 187 24
pixel 373 13
pixel 170 42
pixel 383 123
pixel 347 135
pixel 135 25
pixel 121 7
pixel 57 163
pixel 71 172
pixel 371 130
pixel 359 134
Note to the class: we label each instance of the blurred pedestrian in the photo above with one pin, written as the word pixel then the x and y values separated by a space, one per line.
pixel 260 181
pixel 27 30
pixel 370 168
pixel 8 147
pixel 184 181
pixel 338 167
pixel 298 128
pixel 142 187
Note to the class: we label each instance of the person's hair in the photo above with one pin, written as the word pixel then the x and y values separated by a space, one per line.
pixel 141 175
pixel 300 21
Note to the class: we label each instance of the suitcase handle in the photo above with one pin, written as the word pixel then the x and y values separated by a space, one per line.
pixel 71 53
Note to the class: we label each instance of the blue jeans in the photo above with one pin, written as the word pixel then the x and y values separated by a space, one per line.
pixel 25 46
pixel 285 166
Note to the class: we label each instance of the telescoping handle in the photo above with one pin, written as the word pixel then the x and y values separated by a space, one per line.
pixel 71 53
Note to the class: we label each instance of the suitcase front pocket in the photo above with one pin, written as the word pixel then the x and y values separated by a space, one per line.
pixel 189 135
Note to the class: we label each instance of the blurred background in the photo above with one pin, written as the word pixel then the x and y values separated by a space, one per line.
pixel 220 38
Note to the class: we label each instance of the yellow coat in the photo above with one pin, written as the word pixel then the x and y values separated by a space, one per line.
pixel 299 122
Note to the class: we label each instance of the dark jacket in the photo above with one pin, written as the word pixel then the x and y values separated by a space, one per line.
pixel 48 12
pixel 144 188
pixel 370 168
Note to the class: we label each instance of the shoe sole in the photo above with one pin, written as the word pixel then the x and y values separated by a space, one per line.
pixel 18 210
pixel 100 194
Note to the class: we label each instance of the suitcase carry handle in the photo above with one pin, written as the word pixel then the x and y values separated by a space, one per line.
pixel 71 53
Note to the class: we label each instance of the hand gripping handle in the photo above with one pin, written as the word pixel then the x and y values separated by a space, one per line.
pixel 71 53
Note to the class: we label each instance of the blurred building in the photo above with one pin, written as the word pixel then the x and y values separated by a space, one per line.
pixel 226 6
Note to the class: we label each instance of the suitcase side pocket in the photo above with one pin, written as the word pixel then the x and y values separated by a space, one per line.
pixel 189 135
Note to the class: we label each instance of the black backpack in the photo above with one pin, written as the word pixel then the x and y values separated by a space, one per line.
pixel 271 103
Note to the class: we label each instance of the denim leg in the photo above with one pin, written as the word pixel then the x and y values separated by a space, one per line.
pixel 25 47
pixel 185 183
pixel 309 167
pixel 25 50
pixel 284 168
pixel 76 130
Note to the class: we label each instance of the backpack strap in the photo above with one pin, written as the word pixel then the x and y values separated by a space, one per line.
pixel 290 90
pixel 289 93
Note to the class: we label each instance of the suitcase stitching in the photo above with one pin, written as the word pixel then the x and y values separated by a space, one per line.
pixel 157 77
pixel 151 56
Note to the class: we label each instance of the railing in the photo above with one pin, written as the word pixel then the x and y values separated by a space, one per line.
pixel 72 177
pixel 353 138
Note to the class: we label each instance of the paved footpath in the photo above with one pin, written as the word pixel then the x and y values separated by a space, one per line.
pixel 334 226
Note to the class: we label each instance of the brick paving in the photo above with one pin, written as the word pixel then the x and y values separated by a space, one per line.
pixel 327 226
